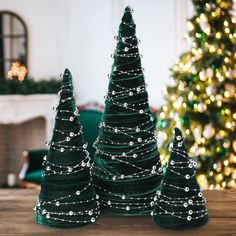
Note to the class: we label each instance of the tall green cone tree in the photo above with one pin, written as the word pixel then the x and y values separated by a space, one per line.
pixel 179 202
pixel 201 100
pixel 127 168
pixel 67 197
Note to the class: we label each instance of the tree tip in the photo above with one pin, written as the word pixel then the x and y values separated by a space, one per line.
pixel 178 141
pixel 67 71
pixel 128 9
pixel 66 76
pixel 177 132
pixel 127 17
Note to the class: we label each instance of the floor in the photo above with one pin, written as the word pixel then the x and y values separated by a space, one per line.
pixel 17 218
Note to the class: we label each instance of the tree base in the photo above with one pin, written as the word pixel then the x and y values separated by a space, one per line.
pixel 168 223
pixel 39 219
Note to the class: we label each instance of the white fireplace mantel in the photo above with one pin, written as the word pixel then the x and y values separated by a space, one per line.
pixel 16 109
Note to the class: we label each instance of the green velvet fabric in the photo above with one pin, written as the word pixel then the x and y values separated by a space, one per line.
pixel 34 176
pixel 175 199
pixel 90 120
pixel 64 190
pixel 128 196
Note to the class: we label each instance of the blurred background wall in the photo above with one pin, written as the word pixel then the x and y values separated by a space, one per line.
pixel 79 34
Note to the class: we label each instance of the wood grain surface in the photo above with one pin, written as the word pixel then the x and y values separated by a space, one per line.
pixel 17 218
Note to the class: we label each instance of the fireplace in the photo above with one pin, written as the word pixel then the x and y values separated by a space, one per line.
pixel 26 122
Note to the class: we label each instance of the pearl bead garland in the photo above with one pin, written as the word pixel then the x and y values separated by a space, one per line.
pixel 120 205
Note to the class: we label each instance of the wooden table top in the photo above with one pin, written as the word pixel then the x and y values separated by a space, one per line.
pixel 17 218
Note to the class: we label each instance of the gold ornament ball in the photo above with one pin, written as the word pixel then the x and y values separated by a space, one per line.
pixel 227 171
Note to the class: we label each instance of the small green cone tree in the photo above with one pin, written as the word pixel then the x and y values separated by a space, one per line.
pixel 179 203
pixel 67 197
pixel 127 168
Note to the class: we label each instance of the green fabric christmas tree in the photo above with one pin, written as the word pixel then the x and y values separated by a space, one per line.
pixel 127 168
pixel 67 197
pixel 201 99
pixel 179 202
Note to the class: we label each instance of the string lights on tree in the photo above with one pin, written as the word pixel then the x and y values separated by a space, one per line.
pixel 201 98
pixel 127 169
pixel 17 71
pixel 67 197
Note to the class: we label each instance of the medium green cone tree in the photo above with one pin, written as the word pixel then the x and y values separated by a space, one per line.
pixel 179 203
pixel 67 197
pixel 201 99
pixel 127 168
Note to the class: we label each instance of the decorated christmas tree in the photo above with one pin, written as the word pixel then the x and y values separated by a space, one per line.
pixel 179 202
pixel 67 197
pixel 201 99
pixel 127 169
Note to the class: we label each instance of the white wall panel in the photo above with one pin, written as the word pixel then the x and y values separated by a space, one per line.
pixel 78 34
